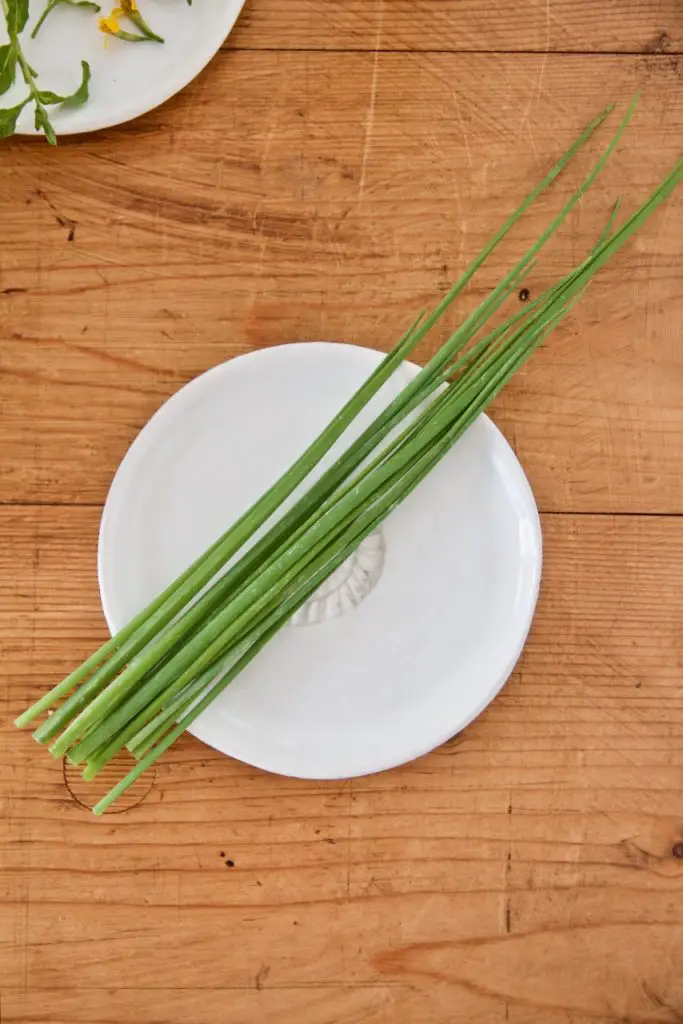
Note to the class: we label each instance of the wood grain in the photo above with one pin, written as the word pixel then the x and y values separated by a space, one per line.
pixel 134 261
pixel 586 26
pixel 543 835
pixel 329 175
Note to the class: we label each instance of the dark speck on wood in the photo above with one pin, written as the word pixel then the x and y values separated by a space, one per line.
pixel 659 44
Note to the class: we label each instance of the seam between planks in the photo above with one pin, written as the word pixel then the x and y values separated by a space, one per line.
pixel 601 513
pixel 406 52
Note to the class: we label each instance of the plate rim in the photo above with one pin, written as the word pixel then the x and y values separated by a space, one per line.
pixel 206 732
pixel 232 12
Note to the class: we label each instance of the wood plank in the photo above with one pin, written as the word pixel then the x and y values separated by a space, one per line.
pixel 136 259
pixel 543 836
pixel 643 26
pixel 314 1004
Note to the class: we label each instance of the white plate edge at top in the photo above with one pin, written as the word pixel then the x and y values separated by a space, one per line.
pixel 163 94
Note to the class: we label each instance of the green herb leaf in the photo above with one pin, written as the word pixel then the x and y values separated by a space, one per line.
pixel 12 55
pixel 42 122
pixel 80 96
pixel 87 5
pixel 8 66
pixel 17 16
pixel 8 119
pixel 141 24
pixel 127 37
pixel 74 99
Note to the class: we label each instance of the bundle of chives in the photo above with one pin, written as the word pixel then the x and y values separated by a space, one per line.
pixel 146 685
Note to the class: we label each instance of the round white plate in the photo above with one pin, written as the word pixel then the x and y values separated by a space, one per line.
pixel 128 79
pixel 423 652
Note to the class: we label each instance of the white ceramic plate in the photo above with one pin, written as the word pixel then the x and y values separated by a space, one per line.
pixel 128 79
pixel 423 652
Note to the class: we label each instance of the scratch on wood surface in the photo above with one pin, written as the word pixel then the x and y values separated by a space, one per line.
pixel 485 174
pixel 463 129
pixel 663 221
pixel 25 944
pixel 544 62
pixel 535 95
pixel 261 976
pixel 462 221
pixel 302 145
pixel 508 868
pixel 655 999
pixel 272 125
pixel 617 671
pixel 370 119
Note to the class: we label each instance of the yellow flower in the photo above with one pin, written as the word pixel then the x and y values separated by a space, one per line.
pixel 129 9
pixel 111 25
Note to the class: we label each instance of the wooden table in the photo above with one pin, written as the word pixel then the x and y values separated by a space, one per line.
pixel 326 177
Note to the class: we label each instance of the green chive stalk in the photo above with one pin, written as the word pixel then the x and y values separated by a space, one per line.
pixel 127 642
pixel 109 696
pixel 146 685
